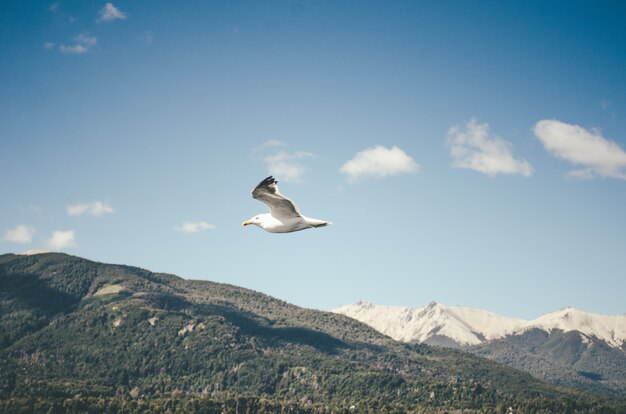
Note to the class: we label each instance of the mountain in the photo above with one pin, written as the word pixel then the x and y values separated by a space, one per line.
pixel 433 323
pixel 82 336
pixel 567 347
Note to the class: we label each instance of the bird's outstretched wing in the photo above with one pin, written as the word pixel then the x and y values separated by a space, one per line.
pixel 280 206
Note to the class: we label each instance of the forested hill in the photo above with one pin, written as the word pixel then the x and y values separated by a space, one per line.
pixel 81 336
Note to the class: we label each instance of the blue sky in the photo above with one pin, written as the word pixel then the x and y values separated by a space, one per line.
pixel 469 153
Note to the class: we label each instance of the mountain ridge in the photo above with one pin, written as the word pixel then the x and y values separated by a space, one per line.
pixel 89 335
pixel 566 347
pixel 470 326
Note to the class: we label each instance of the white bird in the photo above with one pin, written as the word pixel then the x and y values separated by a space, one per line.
pixel 284 215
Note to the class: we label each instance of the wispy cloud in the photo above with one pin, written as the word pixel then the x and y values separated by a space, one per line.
pixel 587 148
pixel 287 164
pixel 49 45
pixel 273 143
pixel 109 13
pixel 83 43
pixel 62 239
pixel 284 164
pixel 96 209
pixel 86 39
pixel 476 148
pixel 379 161
pixel 73 49
pixel 20 234
pixel 147 37
pixel 194 226
pixel 31 208
pixel 54 7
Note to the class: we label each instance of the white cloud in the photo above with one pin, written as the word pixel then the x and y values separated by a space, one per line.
pixel 286 164
pixel 60 239
pixel 283 164
pixel 21 234
pixel 109 13
pixel 49 45
pixel 82 44
pixel 194 227
pixel 587 148
pixel 96 209
pixel 86 39
pixel 585 174
pixel 379 161
pixel 54 7
pixel 477 149
pixel 73 50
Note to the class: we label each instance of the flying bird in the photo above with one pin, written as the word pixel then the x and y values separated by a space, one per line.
pixel 284 215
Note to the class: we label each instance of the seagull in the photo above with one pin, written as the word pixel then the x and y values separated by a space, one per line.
pixel 284 215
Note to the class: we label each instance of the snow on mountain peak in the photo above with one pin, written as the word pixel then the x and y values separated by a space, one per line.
pixel 467 326
pixel 610 329
pixel 463 325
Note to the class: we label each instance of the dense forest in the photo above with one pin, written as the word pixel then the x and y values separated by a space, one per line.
pixel 80 336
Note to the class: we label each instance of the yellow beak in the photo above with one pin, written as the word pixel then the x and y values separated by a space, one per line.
pixel 245 223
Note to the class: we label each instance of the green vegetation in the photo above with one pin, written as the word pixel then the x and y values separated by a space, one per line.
pixel 562 358
pixel 80 336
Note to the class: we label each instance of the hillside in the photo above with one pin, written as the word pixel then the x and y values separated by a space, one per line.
pixel 567 347
pixel 85 336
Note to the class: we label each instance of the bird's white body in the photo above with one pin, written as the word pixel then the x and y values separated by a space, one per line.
pixel 284 216
pixel 286 225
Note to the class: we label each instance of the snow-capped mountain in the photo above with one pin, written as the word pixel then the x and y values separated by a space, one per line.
pixel 610 329
pixel 435 323
pixel 567 347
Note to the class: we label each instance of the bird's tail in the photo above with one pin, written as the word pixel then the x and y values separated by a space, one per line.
pixel 318 223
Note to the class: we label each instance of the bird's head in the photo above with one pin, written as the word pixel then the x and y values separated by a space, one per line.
pixel 256 220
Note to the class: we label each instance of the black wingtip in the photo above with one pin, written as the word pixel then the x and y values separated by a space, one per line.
pixel 268 181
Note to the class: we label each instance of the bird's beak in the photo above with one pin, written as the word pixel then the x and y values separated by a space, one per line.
pixel 245 223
